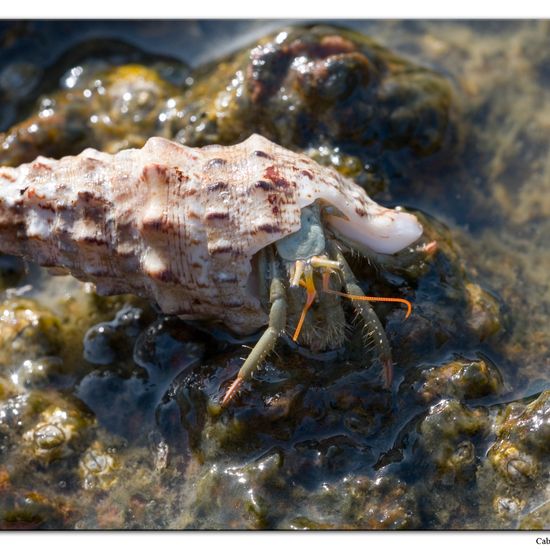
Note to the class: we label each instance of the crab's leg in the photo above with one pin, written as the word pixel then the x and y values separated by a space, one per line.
pixel 368 315
pixel 277 323
pixel 311 294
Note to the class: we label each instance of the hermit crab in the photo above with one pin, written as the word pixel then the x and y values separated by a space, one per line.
pixel 230 234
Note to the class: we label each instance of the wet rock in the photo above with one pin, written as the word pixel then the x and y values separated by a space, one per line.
pixel 537 519
pixel 438 281
pixel 137 366
pixel 334 93
pixel 484 311
pixel 460 378
pixel 18 79
pixel 7 389
pixel 234 497
pixel 12 270
pixel 27 329
pixel 448 434
pixel 14 414
pixel 106 342
pixel 33 510
pixel 523 438
pixel 330 92
pixel 42 373
pixel 243 497
pixel 98 467
pixel 106 107
pixel 513 480
pixel 290 395
pixel 57 433
pixel 313 442
pixel 508 508
pixel 359 502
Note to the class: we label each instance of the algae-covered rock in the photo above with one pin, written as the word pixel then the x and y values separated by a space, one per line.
pixel 448 434
pixel 520 453
pixel 314 441
pixel 257 495
pixel 57 432
pixel 537 519
pixel 98 467
pixel 27 329
pixel 514 478
pixel 34 510
pixel 331 92
pixel 109 108
pixel 461 378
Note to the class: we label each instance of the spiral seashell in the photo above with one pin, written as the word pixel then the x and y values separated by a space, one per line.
pixel 182 226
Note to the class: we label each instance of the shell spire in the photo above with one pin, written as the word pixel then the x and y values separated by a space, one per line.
pixel 175 224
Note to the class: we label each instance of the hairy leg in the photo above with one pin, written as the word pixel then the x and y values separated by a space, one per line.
pixel 373 325
pixel 277 323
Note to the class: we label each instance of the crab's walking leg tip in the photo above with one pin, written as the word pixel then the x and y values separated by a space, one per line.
pixel 388 374
pixel 298 271
pixel 230 393
pixel 429 248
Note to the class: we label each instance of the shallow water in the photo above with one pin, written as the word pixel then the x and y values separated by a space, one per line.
pixel 165 463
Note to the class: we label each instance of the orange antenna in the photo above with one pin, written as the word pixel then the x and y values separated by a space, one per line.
pixel 326 288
